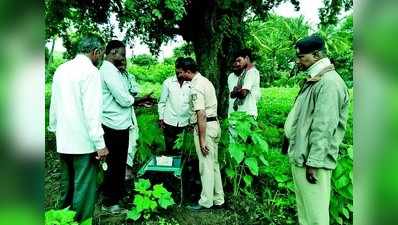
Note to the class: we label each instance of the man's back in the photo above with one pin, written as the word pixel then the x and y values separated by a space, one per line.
pixel 75 102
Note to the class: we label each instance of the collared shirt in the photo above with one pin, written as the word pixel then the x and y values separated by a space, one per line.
pixel 203 97
pixel 173 106
pixel 75 109
pixel 117 99
pixel 318 66
pixel 252 83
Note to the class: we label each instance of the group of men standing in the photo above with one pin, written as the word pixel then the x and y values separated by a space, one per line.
pixel 92 115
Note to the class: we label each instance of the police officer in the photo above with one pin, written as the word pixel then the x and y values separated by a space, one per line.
pixel 207 134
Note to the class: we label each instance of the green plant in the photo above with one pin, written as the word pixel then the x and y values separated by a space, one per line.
pixel 185 143
pixel 246 150
pixel 148 201
pixel 341 205
pixel 144 60
pixel 63 217
pixel 150 141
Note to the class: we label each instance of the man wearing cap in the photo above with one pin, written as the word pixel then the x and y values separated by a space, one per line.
pixel 315 128
pixel 207 134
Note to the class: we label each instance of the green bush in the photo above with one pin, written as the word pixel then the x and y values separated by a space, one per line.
pixel 147 201
pixel 50 68
pixel 63 217
pixel 143 60
pixel 154 73
pixel 246 152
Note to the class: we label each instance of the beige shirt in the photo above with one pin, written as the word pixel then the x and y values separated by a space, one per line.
pixel 316 125
pixel 203 97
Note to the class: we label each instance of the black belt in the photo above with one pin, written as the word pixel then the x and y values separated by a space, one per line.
pixel 209 119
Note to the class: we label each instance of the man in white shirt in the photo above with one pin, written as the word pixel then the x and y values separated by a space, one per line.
pixel 173 107
pixel 75 117
pixel 116 121
pixel 244 85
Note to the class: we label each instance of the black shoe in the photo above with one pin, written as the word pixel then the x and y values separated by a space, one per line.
pixel 197 207
pixel 218 206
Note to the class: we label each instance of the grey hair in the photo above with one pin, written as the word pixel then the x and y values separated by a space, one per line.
pixel 90 43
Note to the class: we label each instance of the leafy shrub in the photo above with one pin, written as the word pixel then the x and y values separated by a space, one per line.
pixel 246 150
pixel 341 205
pixel 50 68
pixel 143 60
pixel 150 139
pixel 63 217
pixel 148 201
pixel 154 73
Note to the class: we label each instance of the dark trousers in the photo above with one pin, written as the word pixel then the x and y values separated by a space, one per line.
pixel 170 136
pixel 117 142
pixel 79 184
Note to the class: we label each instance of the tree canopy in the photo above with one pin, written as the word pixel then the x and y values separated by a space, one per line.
pixel 216 29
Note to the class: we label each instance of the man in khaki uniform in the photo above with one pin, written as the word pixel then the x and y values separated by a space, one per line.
pixel 207 134
pixel 315 128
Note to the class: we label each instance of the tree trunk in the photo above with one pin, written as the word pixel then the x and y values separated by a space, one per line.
pixel 216 34
pixel 214 54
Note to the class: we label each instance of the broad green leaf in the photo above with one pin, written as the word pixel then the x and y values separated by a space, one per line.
pixel 263 160
pixel 139 202
pixel 346 213
pixel 248 180
pixel 153 205
pixel 159 191
pixel 339 220
pixel 88 221
pixel 342 182
pixel 236 152
pixel 134 214
pixel 166 202
pixel 252 164
pixel 350 152
pixel 147 203
pixel 142 185
pixel 230 173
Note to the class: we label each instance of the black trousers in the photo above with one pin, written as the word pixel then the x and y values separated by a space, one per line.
pixel 170 136
pixel 117 142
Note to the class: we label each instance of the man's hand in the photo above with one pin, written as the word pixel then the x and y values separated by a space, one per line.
pixel 311 174
pixel 242 93
pixel 204 149
pixel 102 153
pixel 235 92
pixel 161 124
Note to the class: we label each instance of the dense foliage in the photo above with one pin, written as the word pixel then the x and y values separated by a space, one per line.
pixel 147 200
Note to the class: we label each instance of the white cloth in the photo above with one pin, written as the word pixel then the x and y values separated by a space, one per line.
pixel 251 83
pixel 133 137
pixel 134 130
pixel 117 98
pixel 173 106
pixel 75 108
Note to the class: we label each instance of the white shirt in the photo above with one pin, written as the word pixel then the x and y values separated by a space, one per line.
pixel 75 108
pixel 251 83
pixel 173 106
pixel 117 98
